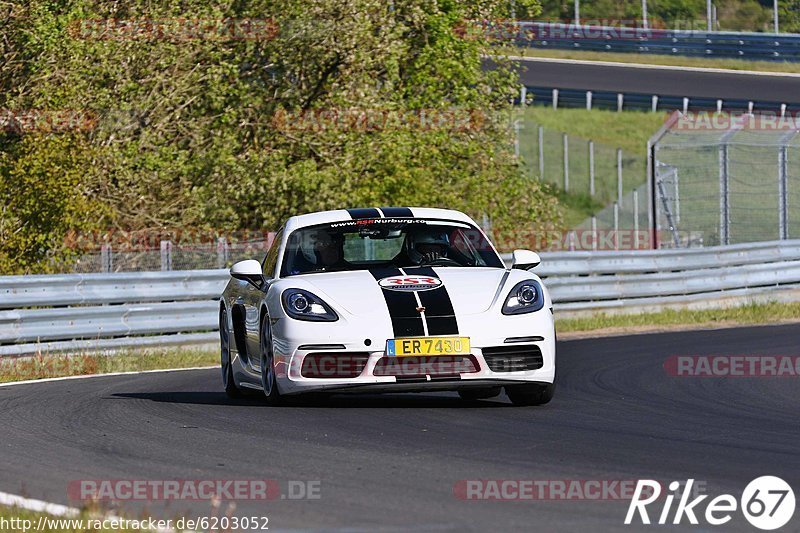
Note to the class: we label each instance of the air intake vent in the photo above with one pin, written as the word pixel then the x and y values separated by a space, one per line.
pixel 333 365
pixel 513 358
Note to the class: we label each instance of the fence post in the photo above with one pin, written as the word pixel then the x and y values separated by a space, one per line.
pixel 635 219
pixel 652 216
pixel 566 162
pixel 166 255
pixel 594 233
pixel 106 259
pixel 616 226
pixel 222 252
pixel 591 168
pixel 619 175
pixel 516 137
pixel 541 153
pixel 724 196
pixel 783 218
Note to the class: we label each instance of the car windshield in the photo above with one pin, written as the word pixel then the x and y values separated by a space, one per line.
pixel 380 243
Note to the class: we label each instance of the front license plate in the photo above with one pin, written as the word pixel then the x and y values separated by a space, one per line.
pixel 428 346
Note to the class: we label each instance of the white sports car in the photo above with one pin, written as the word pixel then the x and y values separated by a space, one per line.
pixel 393 299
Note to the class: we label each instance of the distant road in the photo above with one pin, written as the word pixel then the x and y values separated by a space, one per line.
pixel 660 80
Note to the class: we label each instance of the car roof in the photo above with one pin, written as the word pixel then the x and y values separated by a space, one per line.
pixel 342 215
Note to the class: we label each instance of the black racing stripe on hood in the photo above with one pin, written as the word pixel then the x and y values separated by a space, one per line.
pixel 439 312
pixel 406 320
pixel 397 212
pixel 367 212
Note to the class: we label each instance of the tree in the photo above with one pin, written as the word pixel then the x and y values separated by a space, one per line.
pixel 198 129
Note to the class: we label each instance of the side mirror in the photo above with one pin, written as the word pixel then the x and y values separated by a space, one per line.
pixel 249 271
pixel 525 259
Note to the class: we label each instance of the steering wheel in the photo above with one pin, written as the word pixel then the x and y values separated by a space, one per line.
pixel 442 261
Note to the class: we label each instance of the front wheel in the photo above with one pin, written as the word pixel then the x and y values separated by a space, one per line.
pixel 268 379
pixel 531 393
pixel 231 390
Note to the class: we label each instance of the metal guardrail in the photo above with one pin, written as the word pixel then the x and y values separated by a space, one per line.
pixel 631 101
pixel 77 312
pixel 741 45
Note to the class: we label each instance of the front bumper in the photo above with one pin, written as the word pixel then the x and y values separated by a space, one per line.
pixel 292 378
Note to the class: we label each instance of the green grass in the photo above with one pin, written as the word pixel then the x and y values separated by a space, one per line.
pixel 656 59
pixel 629 130
pixel 52 366
pixel 747 314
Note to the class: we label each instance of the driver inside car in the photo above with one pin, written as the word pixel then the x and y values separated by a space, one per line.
pixel 427 247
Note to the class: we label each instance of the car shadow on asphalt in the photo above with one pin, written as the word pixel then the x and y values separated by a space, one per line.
pixel 401 401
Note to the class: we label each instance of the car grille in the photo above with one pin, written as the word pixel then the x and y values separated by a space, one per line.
pixel 513 358
pixel 333 365
pixel 439 365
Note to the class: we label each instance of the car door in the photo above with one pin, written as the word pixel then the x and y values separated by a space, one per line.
pixel 253 299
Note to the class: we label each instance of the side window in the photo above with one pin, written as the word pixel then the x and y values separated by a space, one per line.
pixel 268 266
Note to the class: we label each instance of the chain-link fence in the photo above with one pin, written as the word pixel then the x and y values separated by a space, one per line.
pixel 172 256
pixel 727 181
pixel 605 175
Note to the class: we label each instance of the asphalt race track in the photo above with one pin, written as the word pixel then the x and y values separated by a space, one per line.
pixel 663 82
pixel 390 463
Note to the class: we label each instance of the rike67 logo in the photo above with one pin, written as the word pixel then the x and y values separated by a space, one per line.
pixel 767 503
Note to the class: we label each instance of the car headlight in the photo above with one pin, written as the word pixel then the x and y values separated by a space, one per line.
pixel 525 297
pixel 304 305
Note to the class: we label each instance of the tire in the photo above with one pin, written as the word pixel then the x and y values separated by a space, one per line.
pixel 226 366
pixel 530 394
pixel 268 380
pixel 471 395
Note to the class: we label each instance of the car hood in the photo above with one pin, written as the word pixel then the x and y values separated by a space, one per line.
pixel 470 290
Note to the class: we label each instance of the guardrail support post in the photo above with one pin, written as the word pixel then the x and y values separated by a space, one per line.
pixel 523 96
pixel 555 98
pixel 685 105
pixel 588 100
pixel 591 168
pixel 566 162
pixel 620 100
pixel 166 255
pixel 106 259
pixel 654 105
pixel 719 105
